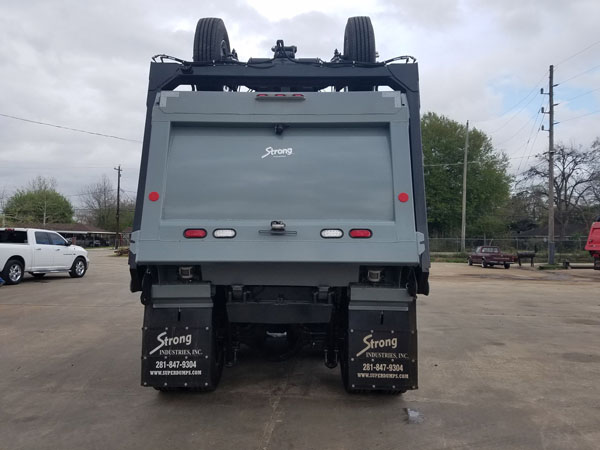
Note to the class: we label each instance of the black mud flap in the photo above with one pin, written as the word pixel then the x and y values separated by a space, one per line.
pixel 382 340
pixel 177 348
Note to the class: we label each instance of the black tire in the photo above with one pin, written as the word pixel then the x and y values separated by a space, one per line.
pixel 359 40
pixel 211 42
pixel 506 266
pixel 483 263
pixel 470 261
pixel 39 276
pixel 79 268
pixel 13 272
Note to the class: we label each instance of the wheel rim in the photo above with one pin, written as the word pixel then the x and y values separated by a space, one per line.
pixel 15 273
pixel 79 268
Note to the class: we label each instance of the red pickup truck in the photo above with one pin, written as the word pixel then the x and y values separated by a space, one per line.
pixel 490 256
pixel 593 243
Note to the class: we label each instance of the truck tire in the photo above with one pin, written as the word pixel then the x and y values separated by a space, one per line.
pixel 13 272
pixel 470 261
pixel 211 42
pixel 506 265
pixel 78 268
pixel 483 263
pixel 359 40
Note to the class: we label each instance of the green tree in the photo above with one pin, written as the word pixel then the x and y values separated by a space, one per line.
pixel 488 186
pixel 39 203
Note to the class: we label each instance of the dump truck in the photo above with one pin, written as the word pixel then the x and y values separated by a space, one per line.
pixel 281 204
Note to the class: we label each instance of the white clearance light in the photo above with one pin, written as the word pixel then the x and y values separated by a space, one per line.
pixel 331 233
pixel 226 233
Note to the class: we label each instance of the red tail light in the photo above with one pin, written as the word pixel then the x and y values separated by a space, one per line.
pixel 360 233
pixel 195 233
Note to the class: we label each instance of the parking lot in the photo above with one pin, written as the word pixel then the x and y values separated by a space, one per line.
pixel 508 359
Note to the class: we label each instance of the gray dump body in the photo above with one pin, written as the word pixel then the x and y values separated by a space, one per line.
pixel 321 196
pixel 340 163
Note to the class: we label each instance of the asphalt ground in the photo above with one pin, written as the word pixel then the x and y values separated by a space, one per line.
pixel 508 359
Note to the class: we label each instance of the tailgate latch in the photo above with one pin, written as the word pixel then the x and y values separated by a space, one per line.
pixel 277 228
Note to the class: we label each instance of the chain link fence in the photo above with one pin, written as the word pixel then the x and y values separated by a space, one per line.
pixel 538 244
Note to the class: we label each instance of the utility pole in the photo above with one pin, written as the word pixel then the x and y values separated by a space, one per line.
pixel 118 169
pixel 551 169
pixel 551 123
pixel 463 230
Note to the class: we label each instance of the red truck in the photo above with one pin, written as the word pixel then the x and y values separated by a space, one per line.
pixel 487 256
pixel 593 243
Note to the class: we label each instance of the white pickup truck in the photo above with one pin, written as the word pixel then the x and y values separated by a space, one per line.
pixel 38 252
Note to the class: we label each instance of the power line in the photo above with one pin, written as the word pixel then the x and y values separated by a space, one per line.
pixel 69 128
pixel 581 95
pixel 579 74
pixel 583 115
pixel 462 162
pixel 535 89
pixel 11 166
pixel 531 134
pixel 539 128
pixel 517 132
pixel 577 54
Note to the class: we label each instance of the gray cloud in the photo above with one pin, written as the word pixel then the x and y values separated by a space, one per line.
pixel 85 65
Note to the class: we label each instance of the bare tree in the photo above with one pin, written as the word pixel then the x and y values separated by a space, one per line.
pixel 574 179
pixel 99 203
pixel 41 184
pixel 595 174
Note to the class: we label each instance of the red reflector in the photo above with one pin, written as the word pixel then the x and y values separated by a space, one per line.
pixel 360 233
pixel 279 95
pixel 297 95
pixel 153 196
pixel 195 233
pixel 262 95
pixel 403 197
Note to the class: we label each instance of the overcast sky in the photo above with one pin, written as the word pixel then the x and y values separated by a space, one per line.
pixel 85 65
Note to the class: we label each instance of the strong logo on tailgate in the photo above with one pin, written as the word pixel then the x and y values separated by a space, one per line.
pixel 278 152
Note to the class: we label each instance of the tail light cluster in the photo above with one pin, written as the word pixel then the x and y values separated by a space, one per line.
pixel 355 233
pixel 200 233
pixel 230 233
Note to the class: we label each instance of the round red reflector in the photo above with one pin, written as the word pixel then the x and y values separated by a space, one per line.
pixel 403 197
pixel 195 233
pixel 360 233
pixel 153 196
